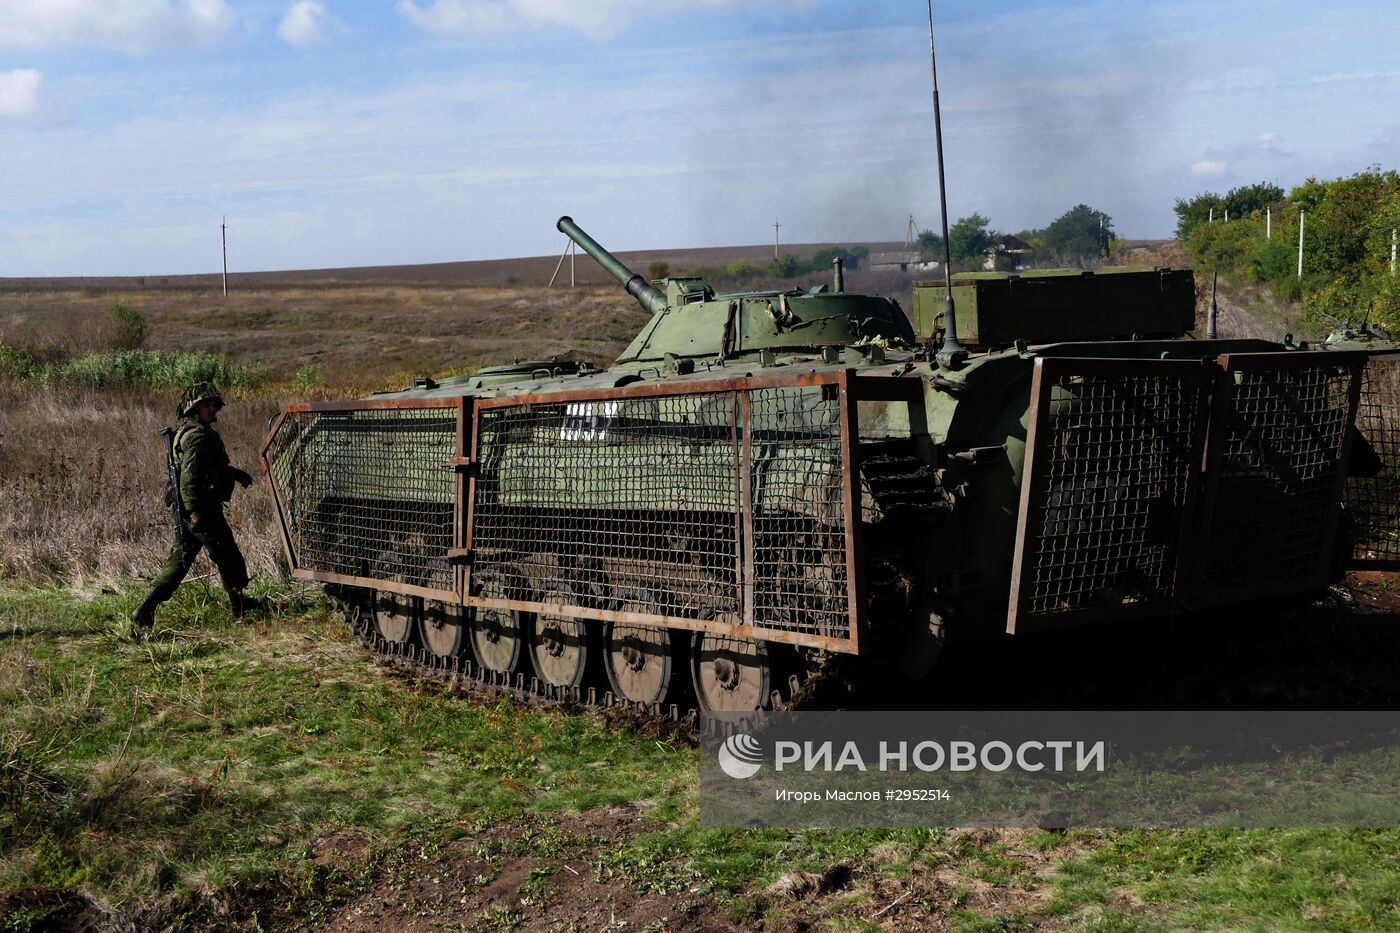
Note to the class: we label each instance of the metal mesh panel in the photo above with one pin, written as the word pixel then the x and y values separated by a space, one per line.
pixel 1110 472
pixel 610 503
pixel 368 493
pixel 636 505
pixel 1373 502
pixel 799 552
pixel 1277 469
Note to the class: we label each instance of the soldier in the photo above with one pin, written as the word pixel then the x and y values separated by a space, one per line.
pixel 205 483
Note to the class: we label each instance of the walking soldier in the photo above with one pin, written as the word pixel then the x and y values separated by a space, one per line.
pixel 202 480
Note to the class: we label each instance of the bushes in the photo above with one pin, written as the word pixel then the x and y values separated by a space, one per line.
pixel 1346 244
pixel 152 369
pixel 128 327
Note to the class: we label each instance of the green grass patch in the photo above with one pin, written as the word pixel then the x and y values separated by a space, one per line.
pixel 150 369
pixel 214 751
pixel 218 757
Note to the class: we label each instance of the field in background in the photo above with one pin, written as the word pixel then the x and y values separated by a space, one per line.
pixel 373 328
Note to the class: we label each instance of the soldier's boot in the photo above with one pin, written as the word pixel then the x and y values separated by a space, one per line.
pixel 144 615
pixel 241 604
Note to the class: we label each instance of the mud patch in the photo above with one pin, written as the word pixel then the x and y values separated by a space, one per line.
pixel 48 909
pixel 561 873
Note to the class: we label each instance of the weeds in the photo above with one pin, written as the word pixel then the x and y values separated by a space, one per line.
pixel 147 369
pixel 81 478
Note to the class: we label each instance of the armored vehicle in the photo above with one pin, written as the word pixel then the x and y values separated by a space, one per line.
pixel 766 480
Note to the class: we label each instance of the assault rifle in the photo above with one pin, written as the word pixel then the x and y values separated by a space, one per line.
pixel 172 485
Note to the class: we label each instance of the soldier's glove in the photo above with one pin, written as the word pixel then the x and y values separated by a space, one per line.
pixel 242 477
pixel 195 520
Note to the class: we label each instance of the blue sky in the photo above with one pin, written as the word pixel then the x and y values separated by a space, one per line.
pixel 338 133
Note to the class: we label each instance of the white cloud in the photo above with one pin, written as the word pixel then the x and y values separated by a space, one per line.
pixel 129 25
pixel 1209 168
pixel 307 21
pixel 593 17
pixel 19 92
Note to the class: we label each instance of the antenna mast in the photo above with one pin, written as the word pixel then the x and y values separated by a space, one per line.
pixel 223 248
pixel 952 353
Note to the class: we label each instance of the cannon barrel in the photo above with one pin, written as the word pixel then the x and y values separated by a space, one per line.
pixel 650 297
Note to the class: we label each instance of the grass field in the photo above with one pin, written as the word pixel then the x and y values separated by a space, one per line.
pixel 270 776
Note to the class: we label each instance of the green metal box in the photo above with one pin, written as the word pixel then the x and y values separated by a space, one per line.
pixel 1044 306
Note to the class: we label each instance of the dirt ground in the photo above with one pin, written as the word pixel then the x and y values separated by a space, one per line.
pixel 501 877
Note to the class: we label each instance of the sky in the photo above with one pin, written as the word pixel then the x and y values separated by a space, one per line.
pixel 336 133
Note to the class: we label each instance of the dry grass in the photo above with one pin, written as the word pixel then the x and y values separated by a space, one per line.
pixel 81 478
pixel 367 338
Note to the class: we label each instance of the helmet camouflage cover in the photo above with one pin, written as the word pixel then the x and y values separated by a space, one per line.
pixel 199 392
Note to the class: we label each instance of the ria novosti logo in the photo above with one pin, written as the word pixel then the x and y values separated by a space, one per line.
pixel 741 756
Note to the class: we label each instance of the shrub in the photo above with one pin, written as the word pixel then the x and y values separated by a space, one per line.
pixel 788 266
pixel 17 363
pixel 309 376
pixel 128 327
pixel 147 369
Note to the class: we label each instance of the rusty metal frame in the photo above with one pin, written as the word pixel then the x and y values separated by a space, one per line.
pixel 1357 563
pixel 284 529
pixel 376 404
pixel 323 576
pixel 851 389
pixel 1196 593
pixel 1020 618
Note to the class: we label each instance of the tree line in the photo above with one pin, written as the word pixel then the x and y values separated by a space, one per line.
pixel 1081 236
pixel 1347 228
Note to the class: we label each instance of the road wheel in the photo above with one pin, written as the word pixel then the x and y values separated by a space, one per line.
pixel 641 662
pixel 560 648
pixel 497 639
pixel 394 616
pixel 442 629
pixel 731 675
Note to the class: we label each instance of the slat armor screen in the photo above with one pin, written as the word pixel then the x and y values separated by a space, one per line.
pixel 609 502
pixel 799 532
pixel 1113 451
pixel 1274 473
pixel 367 495
pixel 634 505
pixel 1373 502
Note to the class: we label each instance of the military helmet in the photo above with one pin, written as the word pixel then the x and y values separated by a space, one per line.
pixel 199 392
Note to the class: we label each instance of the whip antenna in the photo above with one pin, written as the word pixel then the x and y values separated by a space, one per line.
pixel 952 353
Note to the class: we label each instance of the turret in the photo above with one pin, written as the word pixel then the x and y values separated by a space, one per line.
pixel 689 320
pixel 650 297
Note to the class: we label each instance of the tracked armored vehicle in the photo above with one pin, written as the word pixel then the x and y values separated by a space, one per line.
pixel 763 481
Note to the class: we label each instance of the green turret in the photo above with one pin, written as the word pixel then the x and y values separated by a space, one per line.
pixel 689 320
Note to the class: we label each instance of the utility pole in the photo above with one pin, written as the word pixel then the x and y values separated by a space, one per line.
pixel 1302 219
pixel 1227 215
pixel 775 240
pixel 1212 216
pixel 1268 223
pixel 911 235
pixel 1392 251
pixel 223 244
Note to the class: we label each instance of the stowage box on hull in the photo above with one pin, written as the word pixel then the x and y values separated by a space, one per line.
pixel 998 308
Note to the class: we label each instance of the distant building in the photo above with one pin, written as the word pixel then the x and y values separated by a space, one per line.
pixel 1009 254
pixel 903 261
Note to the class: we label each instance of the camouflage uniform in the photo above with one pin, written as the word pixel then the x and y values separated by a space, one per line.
pixel 206 483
